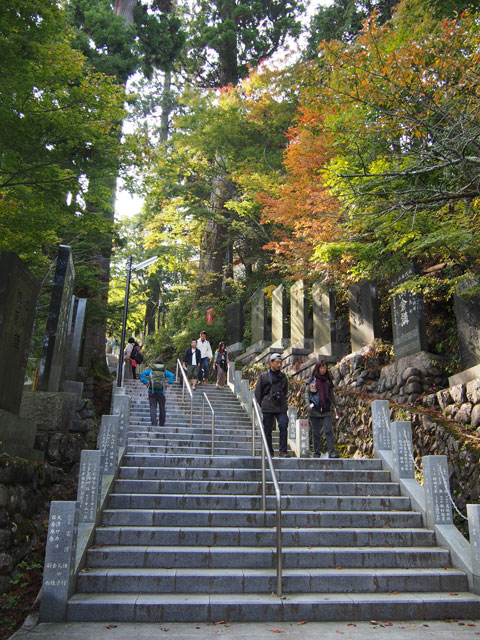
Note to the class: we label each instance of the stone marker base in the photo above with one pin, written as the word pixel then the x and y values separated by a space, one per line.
pixel 50 410
pixel 337 350
pixel 234 350
pixel 71 386
pixel 253 351
pixel 18 436
pixel 464 376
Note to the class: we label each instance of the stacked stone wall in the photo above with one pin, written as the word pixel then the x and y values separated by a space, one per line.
pixel 26 489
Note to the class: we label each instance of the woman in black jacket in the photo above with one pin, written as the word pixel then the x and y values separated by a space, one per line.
pixel 319 400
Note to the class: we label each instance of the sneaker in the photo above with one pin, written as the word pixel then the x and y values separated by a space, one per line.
pixel 333 455
pixel 284 454
pixel 317 455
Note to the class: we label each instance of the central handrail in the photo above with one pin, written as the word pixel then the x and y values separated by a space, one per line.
pixel 213 418
pixel 186 384
pixel 256 417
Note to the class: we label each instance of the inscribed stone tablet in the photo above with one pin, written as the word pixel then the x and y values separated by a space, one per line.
pixel 436 484
pixel 280 319
pixel 234 323
pixel 77 340
pixel 408 318
pixel 364 313
pixel 89 485
pixel 402 449
pixel 324 321
pixel 108 442
pixel 381 424
pixel 467 312
pixel 59 567
pixel 18 296
pixel 259 317
pixel 53 362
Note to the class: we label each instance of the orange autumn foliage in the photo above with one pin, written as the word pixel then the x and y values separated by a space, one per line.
pixel 302 212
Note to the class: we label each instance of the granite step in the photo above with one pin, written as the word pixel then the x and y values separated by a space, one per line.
pixel 235 607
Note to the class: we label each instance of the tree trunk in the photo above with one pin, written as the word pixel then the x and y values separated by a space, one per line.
pixel 126 9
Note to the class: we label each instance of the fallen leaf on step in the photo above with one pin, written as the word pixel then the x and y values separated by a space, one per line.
pixel 111 626
pixel 454 594
pixel 276 631
pixel 471 624
pixel 339 632
pixel 351 624
pixel 373 622
pixel 306 622
pixel 338 568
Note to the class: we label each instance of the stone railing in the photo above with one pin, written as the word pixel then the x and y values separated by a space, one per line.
pixel 393 445
pixel 71 526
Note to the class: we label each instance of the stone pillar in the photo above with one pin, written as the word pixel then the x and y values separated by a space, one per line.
pixel 325 338
pixel 90 485
pixel 381 425
pixel 280 319
pixel 301 323
pixel 408 317
pixel 234 328
pixel 292 423
pixel 473 512
pixel 107 443
pixel 18 296
pixel 59 568
pixel 121 407
pixel 302 438
pixel 77 340
pixel 402 450
pixel 437 501
pixel 364 311
pixel 260 324
pixel 51 369
pixel 238 382
pixel 467 312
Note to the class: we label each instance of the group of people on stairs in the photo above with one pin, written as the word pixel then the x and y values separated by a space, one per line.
pixel 271 391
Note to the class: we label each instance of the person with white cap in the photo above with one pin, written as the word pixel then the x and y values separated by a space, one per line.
pixel 271 394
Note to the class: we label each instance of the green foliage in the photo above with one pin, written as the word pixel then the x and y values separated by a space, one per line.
pixel 54 110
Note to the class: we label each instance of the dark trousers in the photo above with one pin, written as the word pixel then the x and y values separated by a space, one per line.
pixel 315 423
pixel 282 422
pixel 154 399
pixel 203 371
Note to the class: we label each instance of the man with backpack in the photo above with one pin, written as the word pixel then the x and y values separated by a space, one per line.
pixel 271 394
pixel 157 378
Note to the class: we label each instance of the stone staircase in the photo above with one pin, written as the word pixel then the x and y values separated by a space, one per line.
pixel 184 537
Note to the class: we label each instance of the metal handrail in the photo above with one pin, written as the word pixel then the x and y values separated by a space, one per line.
pixel 186 384
pixel 213 418
pixel 256 417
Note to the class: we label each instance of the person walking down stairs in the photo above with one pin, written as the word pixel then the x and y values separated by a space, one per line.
pixel 271 394
pixel 157 378
pixel 319 400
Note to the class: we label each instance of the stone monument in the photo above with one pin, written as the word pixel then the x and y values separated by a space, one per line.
pixel 408 317
pixel 52 361
pixel 325 336
pixel 364 313
pixel 467 312
pixel 280 319
pixel 261 328
pixel 234 328
pixel 300 317
pixel 18 297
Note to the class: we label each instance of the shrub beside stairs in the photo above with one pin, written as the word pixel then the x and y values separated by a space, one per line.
pixel 184 537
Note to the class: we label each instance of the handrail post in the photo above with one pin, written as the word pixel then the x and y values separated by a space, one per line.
pixel 264 480
pixel 265 452
pixel 203 410
pixel 213 433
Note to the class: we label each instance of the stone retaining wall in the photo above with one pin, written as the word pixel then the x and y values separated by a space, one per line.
pixel 359 379
pixel 26 489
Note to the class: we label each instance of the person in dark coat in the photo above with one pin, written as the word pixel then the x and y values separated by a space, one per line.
pixel 271 394
pixel 191 362
pixel 319 401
